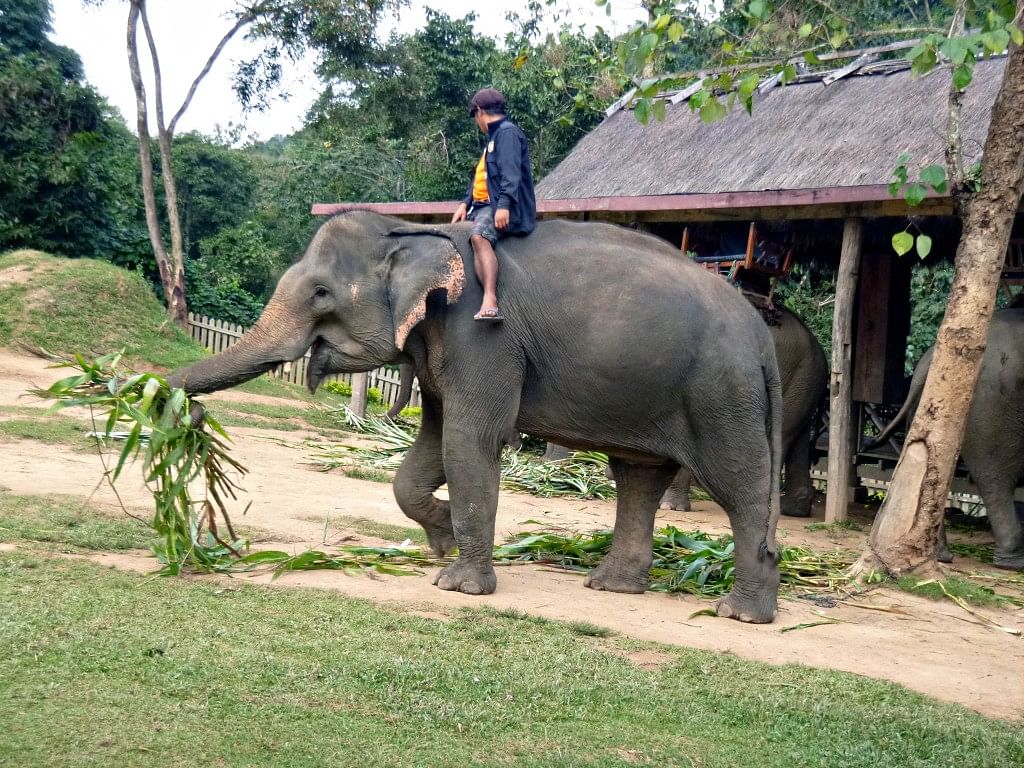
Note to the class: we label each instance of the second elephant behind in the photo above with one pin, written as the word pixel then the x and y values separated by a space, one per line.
pixel 804 373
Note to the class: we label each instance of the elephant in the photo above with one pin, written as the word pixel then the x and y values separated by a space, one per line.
pixel 993 444
pixel 804 374
pixel 372 290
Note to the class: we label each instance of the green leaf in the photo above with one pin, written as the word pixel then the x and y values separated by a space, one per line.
pixel 675 32
pixel 703 612
pixel 642 111
pixel 805 30
pixel 712 111
pixel 811 58
pixel 902 242
pixel 658 110
pixel 924 245
pixel 558 83
pixel 934 176
pixel 757 9
pixel 962 76
pixel 996 41
pixel 748 85
pixel 1015 34
pixel 914 194
pixel 662 21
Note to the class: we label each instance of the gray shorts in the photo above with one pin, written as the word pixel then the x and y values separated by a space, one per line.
pixel 483 223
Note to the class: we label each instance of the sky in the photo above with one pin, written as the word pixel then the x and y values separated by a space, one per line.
pixel 187 31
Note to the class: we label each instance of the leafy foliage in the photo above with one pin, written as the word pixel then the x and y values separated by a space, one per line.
pixel 67 176
pixel 175 451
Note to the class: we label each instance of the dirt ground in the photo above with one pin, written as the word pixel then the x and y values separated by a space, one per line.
pixel 936 648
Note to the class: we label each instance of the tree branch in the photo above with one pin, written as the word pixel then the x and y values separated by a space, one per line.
pixel 247 18
pixel 158 96
pixel 954 143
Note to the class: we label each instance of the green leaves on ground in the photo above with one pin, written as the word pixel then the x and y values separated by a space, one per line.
pixel 580 476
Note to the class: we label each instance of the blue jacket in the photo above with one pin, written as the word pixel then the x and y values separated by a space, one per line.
pixel 509 180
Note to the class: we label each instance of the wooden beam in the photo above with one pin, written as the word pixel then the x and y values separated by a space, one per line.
pixel 840 422
pixel 796 203
pixel 360 386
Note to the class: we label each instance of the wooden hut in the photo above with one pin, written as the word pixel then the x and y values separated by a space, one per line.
pixel 815 159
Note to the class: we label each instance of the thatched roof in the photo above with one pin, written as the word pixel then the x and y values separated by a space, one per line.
pixel 806 135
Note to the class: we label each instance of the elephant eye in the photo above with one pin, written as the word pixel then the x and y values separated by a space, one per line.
pixel 320 292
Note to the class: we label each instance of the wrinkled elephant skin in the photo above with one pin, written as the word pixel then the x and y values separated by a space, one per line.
pixel 804 373
pixel 372 290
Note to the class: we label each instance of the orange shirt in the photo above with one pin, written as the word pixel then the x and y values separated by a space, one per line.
pixel 480 181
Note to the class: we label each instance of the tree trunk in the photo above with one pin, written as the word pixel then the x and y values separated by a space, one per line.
pixel 175 291
pixel 172 268
pixel 905 534
pixel 168 270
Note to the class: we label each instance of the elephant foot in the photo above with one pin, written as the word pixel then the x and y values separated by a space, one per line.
pixel 472 578
pixel 613 576
pixel 1009 562
pixel 756 610
pixel 796 506
pixel 669 501
pixel 943 554
pixel 441 539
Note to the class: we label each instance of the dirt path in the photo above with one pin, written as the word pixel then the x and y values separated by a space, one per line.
pixel 935 648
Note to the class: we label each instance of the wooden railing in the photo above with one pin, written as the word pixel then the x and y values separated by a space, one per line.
pixel 218 335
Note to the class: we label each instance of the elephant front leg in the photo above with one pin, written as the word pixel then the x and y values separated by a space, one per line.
pixel 472 465
pixel 422 473
pixel 627 566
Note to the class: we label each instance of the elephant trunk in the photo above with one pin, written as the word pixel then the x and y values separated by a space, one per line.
pixel 272 341
pixel 406 375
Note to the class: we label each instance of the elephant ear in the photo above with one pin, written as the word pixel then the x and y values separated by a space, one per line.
pixel 425 260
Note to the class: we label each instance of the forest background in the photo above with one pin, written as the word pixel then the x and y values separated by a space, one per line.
pixel 389 124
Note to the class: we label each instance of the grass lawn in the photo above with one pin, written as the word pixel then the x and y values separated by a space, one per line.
pixel 100 667
pixel 89 307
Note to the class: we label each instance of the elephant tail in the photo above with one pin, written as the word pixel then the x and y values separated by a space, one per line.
pixel 773 428
pixel 909 405
pixel 404 390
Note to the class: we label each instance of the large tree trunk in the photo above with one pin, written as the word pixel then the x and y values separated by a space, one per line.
pixel 175 291
pixel 905 533
pixel 171 269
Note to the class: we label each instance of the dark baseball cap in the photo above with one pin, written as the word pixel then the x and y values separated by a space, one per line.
pixel 487 99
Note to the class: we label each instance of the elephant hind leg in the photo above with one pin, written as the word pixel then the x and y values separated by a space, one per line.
pixel 627 566
pixel 1006 526
pixel 422 473
pixel 678 494
pixel 740 481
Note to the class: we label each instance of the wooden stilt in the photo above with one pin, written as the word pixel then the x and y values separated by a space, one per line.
pixel 840 393
pixel 360 384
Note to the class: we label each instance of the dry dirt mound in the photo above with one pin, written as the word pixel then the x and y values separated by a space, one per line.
pixel 935 648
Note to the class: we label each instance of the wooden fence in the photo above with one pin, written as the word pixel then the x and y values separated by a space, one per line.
pixel 217 335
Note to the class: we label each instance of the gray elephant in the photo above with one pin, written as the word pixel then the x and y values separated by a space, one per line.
pixel 993 445
pixel 804 373
pixel 372 290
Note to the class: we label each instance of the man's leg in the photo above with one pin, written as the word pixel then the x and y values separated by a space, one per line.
pixel 486 264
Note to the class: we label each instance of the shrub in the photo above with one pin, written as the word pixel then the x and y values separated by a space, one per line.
pixel 374 396
pixel 339 388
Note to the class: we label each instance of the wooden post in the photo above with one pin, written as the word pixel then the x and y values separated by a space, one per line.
pixel 840 391
pixel 360 383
